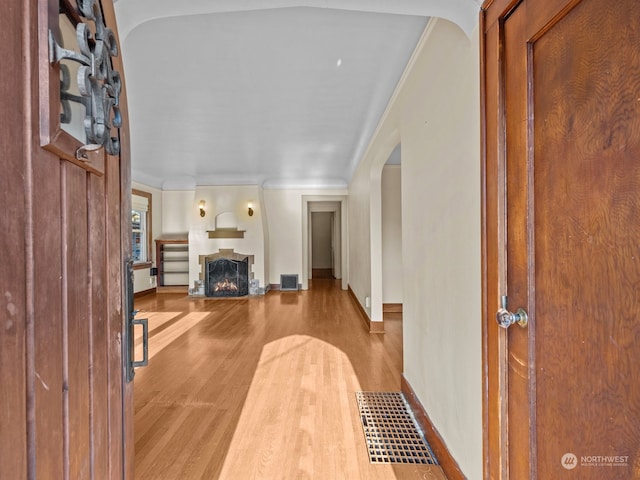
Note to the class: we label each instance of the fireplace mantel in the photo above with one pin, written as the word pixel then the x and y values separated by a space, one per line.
pixel 226 233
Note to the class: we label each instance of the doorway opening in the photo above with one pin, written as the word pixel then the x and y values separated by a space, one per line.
pixel 324 238
pixel 391 222
pixel 322 245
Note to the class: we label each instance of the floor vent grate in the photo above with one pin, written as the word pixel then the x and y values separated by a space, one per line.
pixel 390 430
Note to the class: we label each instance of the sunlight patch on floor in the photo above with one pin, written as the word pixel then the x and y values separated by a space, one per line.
pixel 164 338
pixel 310 426
pixel 156 319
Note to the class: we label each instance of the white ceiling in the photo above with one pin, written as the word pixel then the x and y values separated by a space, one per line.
pixel 224 92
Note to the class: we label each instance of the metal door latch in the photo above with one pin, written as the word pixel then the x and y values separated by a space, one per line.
pixel 505 318
pixel 129 343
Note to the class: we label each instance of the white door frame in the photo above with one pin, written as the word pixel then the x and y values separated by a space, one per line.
pixel 325 203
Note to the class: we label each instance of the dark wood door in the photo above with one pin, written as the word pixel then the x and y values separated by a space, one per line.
pixel 65 407
pixel 562 238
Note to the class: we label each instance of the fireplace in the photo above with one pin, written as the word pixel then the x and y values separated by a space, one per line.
pixel 226 274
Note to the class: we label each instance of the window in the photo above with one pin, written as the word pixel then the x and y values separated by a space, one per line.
pixel 141 229
pixel 138 243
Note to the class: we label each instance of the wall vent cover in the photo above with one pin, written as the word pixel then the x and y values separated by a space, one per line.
pixel 289 282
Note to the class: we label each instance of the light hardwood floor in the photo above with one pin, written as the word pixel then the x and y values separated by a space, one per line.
pixel 262 388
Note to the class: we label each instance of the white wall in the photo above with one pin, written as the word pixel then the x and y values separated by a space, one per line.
pixel 435 115
pixel 359 239
pixel 284 210
pixel 177 211
pixel 442 288
pixel 392 280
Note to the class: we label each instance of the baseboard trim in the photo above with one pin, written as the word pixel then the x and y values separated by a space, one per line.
pixel 372 327
pixel 391 308
pixel 173 289
pixel 276 287
pixel 376 327
pixel 445 459
pixel 144 293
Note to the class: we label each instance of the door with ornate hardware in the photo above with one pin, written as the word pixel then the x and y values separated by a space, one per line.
pixel 65 407
pixel 562 238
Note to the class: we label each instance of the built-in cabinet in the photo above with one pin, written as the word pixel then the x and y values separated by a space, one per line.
pixel 172 258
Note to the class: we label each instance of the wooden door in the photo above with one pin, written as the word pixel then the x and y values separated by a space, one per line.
pixel 561 84
pixel 65 406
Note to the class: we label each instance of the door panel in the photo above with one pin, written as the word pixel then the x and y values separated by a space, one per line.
pixel 99 331
pixel 517 242
pixel 587 266
pixel 76 320
pixel 48 320
pixel 65 410
pixel 13 297
pixel 567 177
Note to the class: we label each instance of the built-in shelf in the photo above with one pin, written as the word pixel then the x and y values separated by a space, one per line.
pixel 172 251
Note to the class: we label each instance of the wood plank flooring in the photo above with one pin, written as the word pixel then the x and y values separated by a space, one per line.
pixel 262 387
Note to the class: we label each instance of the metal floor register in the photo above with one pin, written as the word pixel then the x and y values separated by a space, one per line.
pixel 390 430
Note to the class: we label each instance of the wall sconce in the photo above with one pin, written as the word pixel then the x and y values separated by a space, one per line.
pixel 250 206
pixel 201 207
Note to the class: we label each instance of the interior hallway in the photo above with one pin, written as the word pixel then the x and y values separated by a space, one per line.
pixel 262 387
